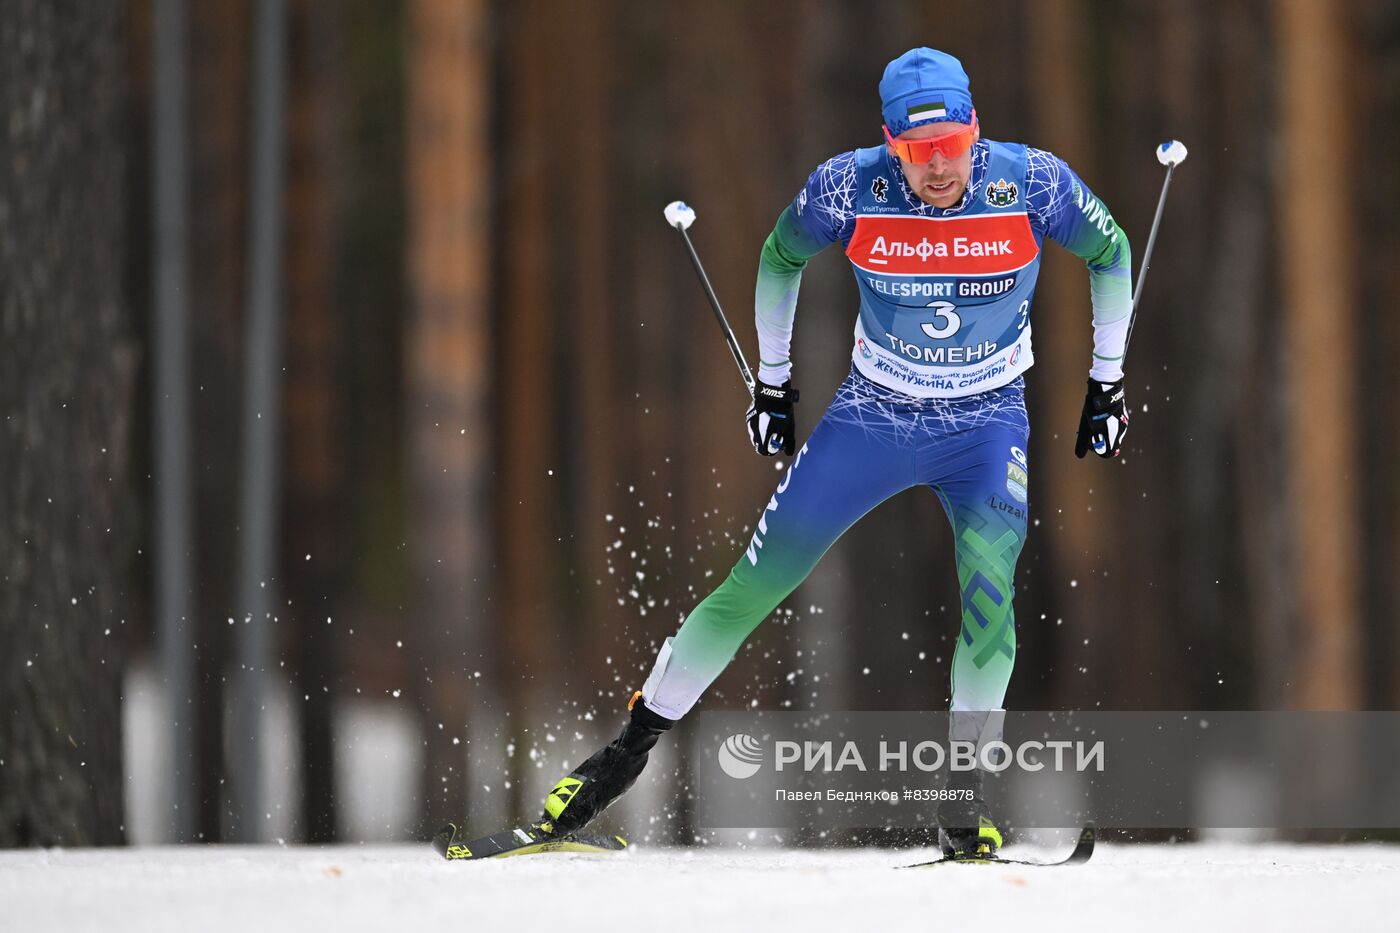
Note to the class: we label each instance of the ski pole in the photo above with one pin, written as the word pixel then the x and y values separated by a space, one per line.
pixel 681 216
pixel 1171 154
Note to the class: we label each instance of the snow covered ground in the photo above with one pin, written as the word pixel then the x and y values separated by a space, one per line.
pixel 1203 886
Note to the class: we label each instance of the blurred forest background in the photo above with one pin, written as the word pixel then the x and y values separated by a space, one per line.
pixel 364 430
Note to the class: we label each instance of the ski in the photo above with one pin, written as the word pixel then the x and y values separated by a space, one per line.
pixel 1082 851
pixel 519 841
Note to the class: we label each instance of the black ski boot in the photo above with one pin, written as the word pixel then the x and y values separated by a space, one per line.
pixel 594 785
pixel 965 826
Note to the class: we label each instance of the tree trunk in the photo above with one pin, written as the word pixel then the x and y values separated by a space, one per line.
pixel 316 530
pixel 218 127
pixel 449 376
pixel 1071 539
pixel 68 361
pixel 1317 267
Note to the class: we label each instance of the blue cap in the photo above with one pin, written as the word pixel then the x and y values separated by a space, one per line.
pixel 924 85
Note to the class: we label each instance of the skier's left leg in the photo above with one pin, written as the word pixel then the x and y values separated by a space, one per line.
pixel 990 528
pixel 985 495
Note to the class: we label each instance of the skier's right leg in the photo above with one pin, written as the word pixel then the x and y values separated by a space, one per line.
pixel 846 468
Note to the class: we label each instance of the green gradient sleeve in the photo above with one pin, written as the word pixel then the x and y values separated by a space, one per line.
pixel 1087 229
pixel 785 254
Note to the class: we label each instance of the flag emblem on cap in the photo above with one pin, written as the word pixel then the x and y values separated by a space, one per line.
pixel 929 110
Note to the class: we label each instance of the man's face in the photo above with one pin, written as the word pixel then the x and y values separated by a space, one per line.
pixel 940 181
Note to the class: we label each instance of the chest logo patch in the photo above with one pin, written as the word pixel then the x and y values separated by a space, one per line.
pixel 880 188
pixel 1002 193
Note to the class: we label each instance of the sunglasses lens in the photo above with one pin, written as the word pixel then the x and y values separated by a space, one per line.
pixel 951 145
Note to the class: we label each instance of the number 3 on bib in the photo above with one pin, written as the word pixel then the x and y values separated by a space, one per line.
pixel 946 311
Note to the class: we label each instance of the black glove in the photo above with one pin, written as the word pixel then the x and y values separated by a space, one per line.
pixel 1104 422
pixel 772 427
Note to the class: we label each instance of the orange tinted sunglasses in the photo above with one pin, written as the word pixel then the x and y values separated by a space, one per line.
pixel 950 145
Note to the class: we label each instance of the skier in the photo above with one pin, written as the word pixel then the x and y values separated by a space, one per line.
pixel 943 229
